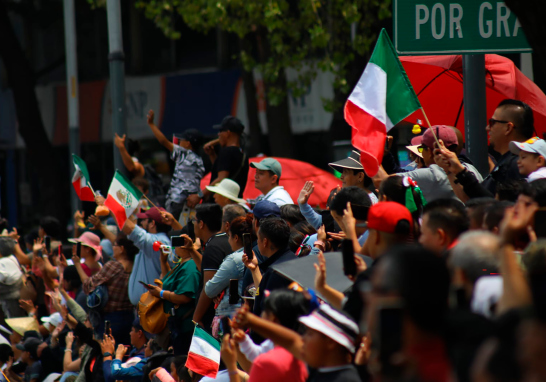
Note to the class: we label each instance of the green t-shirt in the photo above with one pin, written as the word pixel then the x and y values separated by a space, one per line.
pixel 183 280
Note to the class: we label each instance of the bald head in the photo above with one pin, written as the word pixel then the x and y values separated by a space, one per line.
pixel 477 254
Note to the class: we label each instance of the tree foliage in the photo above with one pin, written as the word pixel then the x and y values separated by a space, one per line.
pixel 306 35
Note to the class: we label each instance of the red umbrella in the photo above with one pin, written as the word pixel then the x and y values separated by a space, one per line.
pixel 294 175
pixel 438 82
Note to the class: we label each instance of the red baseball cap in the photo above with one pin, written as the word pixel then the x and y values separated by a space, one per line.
pixel 153 213
pixel 384 216
pixel 443 132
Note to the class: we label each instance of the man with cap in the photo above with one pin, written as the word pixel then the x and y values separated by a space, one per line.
pixel 29 347
pixel 433 180
pixel 268 175
pixel 227 192
pixel 532 158
pixel 188 169
pixel 352 174
pixel 147 266
pixel 230 162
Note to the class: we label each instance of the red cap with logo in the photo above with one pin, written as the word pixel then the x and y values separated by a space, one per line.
pixel 385 216
pixel 153 213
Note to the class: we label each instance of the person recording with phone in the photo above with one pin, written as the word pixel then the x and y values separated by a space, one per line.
pixel 232 268
pixel 178 289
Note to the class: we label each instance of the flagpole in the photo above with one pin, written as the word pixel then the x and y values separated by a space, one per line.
pixel 153 205
pixel 5 376
pixel 93 191
pixel 430 126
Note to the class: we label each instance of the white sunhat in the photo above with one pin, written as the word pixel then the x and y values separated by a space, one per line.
pixel 227 188
pixel 534 145
pixel 51 322
pixel 415 150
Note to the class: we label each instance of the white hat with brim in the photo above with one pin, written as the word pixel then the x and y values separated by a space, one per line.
pixel 21 325
pixel 415 150
pixel 227 188
pixel 51 322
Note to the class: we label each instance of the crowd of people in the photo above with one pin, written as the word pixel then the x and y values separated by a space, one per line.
pixel 428 273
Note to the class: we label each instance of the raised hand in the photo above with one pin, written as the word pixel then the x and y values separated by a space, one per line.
pixel 320 268
pixel 14 235
pixel 250 264
pixel 69 339
pixel 229 352
pixel 446 159
pixel 240 320
pixel 37 247
pixel 75 257
pixel 167 218
pixel 119 141
pixel 150 117
pixel 95 221
pixel 516 220
pixel 306 192
pixel 349 222
pixel 27 306
pixel 321 233
pixel 120 351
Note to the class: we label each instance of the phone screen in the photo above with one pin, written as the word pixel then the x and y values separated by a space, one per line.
pixel 247 243
pixel 79 249
pixel 177 241
pixel 107 327
pixel 226 329
pixel 233 291
pixel 144 284
pixel 47 242
pixel 540 224
pixel 348 253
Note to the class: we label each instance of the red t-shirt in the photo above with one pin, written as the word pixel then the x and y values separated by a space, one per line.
pixel 277 365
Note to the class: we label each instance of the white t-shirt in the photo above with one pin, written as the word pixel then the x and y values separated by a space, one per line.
pixel 538 174
pixel 222 376
pixel 277 195
pixel 10 271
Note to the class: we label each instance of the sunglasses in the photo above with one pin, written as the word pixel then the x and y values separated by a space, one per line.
pixel 493 121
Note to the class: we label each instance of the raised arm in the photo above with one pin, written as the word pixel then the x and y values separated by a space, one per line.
pixel 334 297
pixel 102 228
pixel 134 168
pixel 161 138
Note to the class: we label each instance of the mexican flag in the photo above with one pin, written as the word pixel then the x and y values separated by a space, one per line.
pixel 204 355
pixel 382 98
pixel 80 180
pixel 123 198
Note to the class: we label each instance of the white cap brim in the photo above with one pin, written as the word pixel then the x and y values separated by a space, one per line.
pixel 313 322
pixel 415 150
pixel 220 191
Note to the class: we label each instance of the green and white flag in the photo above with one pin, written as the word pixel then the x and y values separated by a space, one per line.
pixel 80 180
pixel 123 198
pixel 204 355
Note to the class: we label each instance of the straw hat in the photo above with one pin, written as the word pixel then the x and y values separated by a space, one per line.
pixel 227 188
pixel 21 325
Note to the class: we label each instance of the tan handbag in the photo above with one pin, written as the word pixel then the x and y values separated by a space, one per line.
pixel 150 311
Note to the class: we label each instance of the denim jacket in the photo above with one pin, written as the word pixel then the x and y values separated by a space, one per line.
pixel 231 268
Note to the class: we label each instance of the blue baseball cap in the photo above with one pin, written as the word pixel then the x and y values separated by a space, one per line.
pixel 265 208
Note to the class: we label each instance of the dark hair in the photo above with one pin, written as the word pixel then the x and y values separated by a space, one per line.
pixel 523 120
pixel 422 280
pixel 51 226
pixel 304 227
pixel 298 233
pixel 130 249
pixel 70 274
pixel 162 228
pixel 476 202
pixel 287 306
pixel 291 213
pixel 449 215
pixel 154 346
pixel 210 214
pixel 395 191
pixel 276 231
pixel 179 362
pixel 140 181
pixel 359 199
pixel 31 236
pixel 133 146
pixel 494 214
pixel 232 211
pixel 538 188
pixel 4 224
pixel 5 352
pixel 509 190
pixel 240 225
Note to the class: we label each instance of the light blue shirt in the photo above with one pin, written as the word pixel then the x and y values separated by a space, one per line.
pixel 147 266
pixel 231 268
pixel 311 215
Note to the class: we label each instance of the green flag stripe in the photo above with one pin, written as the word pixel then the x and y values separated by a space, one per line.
pixel 206 337
pixel 401 98
pixel 81 164
pixel 128 184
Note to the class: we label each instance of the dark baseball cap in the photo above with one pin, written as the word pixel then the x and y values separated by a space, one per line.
pixel 445 133
pixel 265 208
pixel 30 345
pixel 153 213
pixel 232 124
pixel 193 136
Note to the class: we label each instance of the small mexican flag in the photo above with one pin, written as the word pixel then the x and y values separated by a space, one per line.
pixel 204 355
pixel 80 180
pixel 123 198
pixel 382 98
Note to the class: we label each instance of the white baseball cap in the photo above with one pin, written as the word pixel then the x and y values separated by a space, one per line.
pixel 51 322
pixel 534 145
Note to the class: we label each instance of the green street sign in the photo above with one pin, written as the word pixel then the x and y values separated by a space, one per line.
pixel 424 27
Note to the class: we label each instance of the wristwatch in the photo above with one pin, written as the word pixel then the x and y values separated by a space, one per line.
pixel 107 354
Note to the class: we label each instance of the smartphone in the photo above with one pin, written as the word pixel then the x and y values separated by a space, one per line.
pixel 390 324
pixel 144 284
pixel 47 242
pixel 247 244
pixel 107 327
pixel 348 253
pixel 233 291
pixel 79 249
pixel 177 241
pixel 540 224
pixel 226 329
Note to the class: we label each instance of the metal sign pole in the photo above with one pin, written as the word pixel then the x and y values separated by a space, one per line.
pixel 475 111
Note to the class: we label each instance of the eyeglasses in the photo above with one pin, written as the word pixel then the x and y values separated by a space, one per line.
pixel 194 220
pixel 493 121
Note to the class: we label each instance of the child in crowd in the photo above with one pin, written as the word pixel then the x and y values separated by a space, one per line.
pixel 532 157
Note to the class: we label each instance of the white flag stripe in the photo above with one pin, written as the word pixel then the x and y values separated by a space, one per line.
pixel 203 348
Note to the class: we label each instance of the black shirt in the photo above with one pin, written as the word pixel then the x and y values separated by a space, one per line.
pixel 232 160
pixel 272 280
pixel 216 249
pixel 346 373
pixel 506 169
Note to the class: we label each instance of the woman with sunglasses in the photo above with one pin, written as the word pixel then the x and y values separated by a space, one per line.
pixel 231 268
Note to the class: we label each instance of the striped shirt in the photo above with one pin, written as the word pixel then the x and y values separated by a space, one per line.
pixel 115 278
pixel 188 171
